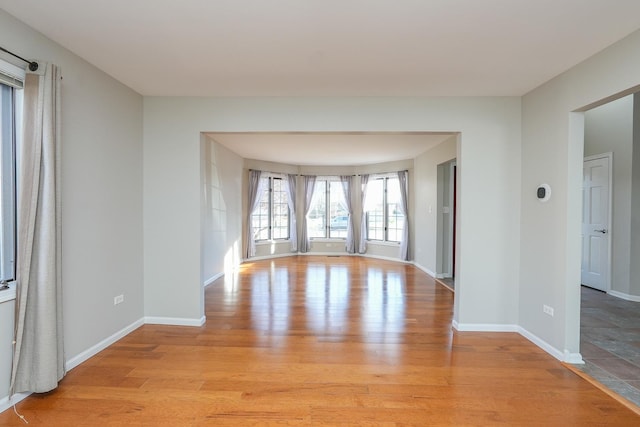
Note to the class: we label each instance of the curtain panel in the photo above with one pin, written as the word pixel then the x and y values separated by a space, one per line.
pixel 309 184
pixel 347 189
pixel 291 192
pixel 403 177
pixel 362 243
pixel 38 362
pixel 256 188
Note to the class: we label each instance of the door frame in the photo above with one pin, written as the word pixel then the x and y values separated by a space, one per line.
pixel 453 165
pixel 609 157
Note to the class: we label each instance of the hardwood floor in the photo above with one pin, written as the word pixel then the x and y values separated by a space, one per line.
pixel 323 341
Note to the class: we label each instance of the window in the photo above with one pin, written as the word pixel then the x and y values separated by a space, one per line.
pixel 328 216
pixel 8 100
pixel 385 220
pixel 270 221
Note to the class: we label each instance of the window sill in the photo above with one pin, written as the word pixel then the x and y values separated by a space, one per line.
pixel 8 294
pixel 273 242
pixel 382 243
pixel 328 240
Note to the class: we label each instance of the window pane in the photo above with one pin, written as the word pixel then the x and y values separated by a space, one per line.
pixel 375 213
pixel 394 211
pixel 317 217
pixel 338 211
pixel 260 217
pixel 280 211
pixel 7 183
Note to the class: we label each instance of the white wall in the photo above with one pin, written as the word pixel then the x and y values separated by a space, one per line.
pixel 489 157
pixel 609 128
pixel 634 274
pixel 426 203
pixel 101 194
pixel 7 315
pixel 552 152
pixel 221 210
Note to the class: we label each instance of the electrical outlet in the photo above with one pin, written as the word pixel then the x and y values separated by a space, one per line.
pixel 547 310
pixel 118 299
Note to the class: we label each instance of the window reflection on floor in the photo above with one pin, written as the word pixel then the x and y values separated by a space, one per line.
pixel 383 312
pixel 270 304
pixel 329 302
pixel 327 298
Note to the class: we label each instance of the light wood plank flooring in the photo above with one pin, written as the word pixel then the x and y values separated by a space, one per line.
pixel 322 341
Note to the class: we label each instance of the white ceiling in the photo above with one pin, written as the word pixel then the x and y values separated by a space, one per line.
pixel 334 149
pixel 331 48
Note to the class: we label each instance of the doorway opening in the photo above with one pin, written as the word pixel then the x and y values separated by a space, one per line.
pixel 609 297
pixel 596 221
pixel 446 223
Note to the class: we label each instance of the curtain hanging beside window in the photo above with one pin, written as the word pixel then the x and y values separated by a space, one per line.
pixel 309 183
pixel 347 185
pixel 404 207
pixel 291 192
pixel 256 188
pixel 362 244
pixel 38 363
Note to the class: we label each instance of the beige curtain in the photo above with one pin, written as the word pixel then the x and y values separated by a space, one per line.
pixel 403 178
pixel 256 189
pixel 38 363
pixel 309 183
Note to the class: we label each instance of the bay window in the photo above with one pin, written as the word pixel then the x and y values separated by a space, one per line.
pixel 384 214
pixel 270 221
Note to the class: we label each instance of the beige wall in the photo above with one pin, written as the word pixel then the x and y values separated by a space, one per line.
pixel 488 157
pixel 221 218
pixel 609 128
pixel 426 203
pixel 552 152
pixel 101 196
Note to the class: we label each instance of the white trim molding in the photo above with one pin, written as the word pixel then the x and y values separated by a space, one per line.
pixel 8 402
pixel 425 270
pixel 563 356
pixel 263 257
pixel 542 344
pixel 212 279
pixel 174 321
pixel 8 294
pixel 624 296
pixel 484 327
pixel 92 351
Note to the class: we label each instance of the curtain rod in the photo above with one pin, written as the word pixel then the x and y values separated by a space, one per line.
pixel 302 174
pixel 33 65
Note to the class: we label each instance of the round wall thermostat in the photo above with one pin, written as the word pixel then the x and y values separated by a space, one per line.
pixel 543 192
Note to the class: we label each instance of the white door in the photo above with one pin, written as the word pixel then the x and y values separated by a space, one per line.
pixel 595 222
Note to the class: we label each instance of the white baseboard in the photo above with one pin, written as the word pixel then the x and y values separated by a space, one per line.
pixel 573 358
pixel 325 254
pixel 563 356
pixel 263 257
pixel 174 321
pixel 542 344
pixel 624 296
pixel 212 279
pixel 484 327
pixel 6 402
pixel 335 254
pixel 385 258
pixel 92 351
pixel 425 269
